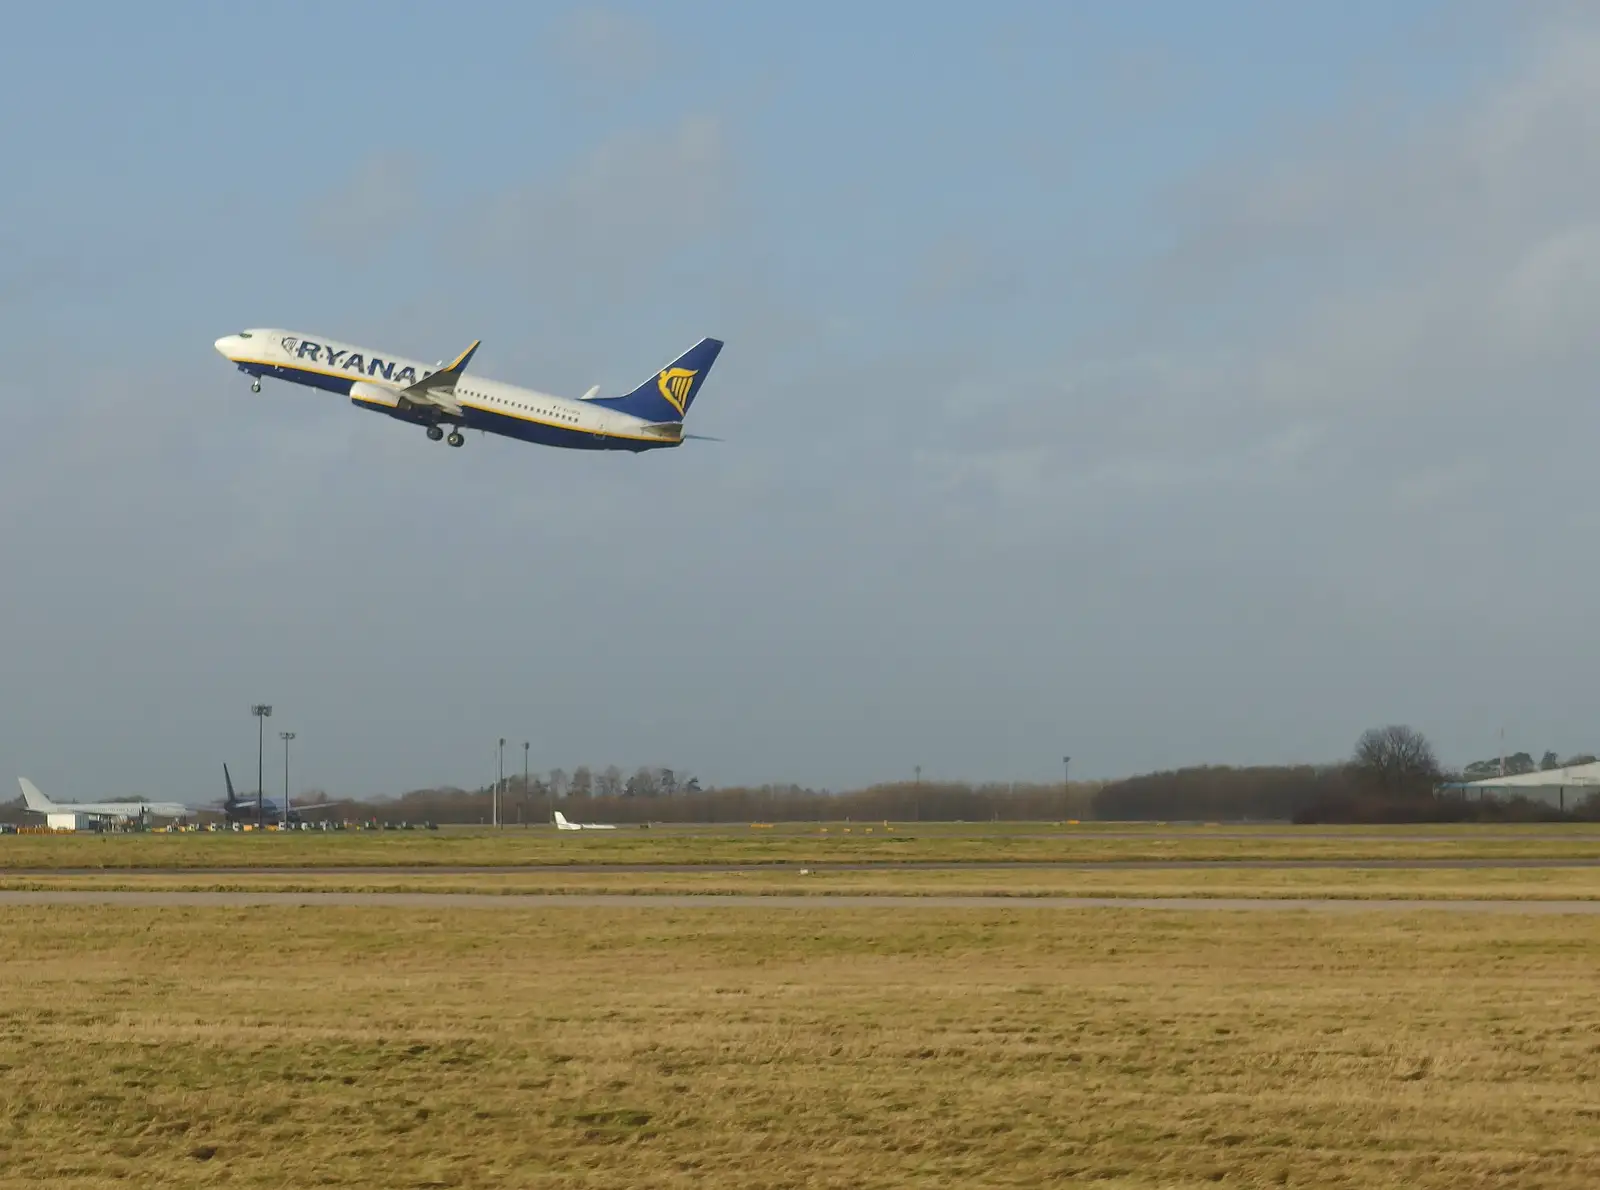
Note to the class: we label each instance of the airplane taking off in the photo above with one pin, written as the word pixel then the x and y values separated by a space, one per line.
pixel 648 418
pixel 39 804
pixel 563 825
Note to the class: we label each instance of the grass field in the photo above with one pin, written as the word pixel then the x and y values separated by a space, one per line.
pixel 767 1048
pixel 1490 883
pixel 903 842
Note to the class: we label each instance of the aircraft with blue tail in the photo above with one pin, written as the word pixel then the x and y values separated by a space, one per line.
pixel 648 418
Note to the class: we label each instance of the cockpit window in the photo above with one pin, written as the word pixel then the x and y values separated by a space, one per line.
pixel 244 334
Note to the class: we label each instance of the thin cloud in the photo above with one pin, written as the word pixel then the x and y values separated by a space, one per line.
pixel 365 213
pixel 603 51
pixel 614 215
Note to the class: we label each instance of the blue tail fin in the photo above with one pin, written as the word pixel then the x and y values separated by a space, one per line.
pixel 667 395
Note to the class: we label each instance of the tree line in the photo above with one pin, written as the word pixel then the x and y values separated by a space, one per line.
pixel 1392 775
pixel 666 800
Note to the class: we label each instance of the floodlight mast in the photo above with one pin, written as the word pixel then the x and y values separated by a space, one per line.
pixel 286 736
pixel 262 711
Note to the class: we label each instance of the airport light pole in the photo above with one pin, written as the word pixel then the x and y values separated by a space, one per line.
pixel 286 736
pixel 262 712
pixel 500 781
pixel 1066 785
pixel 525 788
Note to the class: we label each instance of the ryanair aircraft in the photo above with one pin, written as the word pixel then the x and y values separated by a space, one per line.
pixel 649 417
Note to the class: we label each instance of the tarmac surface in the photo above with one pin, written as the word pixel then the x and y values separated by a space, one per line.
pixel 793 867
pixel 742 901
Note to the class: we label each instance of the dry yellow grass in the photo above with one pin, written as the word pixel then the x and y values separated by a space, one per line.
pixel 1581 883
pixel 793 844
pixel 766 1048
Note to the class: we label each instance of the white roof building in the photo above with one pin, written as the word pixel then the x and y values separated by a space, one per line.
pixel 1563 787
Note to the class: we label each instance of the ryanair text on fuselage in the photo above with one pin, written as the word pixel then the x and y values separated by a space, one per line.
pixel 647 418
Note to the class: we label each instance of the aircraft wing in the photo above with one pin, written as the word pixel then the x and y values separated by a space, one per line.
pixel 313 807
pixel 437 390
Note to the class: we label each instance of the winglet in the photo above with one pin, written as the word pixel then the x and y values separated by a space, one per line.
pixel 445 378
pixel 460 363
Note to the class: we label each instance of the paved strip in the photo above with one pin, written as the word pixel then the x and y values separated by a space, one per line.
pixel 792 867
pixel 744 901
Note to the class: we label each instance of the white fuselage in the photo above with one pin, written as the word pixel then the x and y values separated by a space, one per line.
pixel 563 825
pixel 40 804
pixel 122 809
pixel 373 380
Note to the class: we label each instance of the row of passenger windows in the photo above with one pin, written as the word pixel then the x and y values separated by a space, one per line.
pixel 558 414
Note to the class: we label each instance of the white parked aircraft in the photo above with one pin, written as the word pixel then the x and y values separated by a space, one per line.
pixel 563 825
pixel 649 417
pixel 39 804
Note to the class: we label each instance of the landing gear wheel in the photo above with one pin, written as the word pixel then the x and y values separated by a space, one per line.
pixel 455 438
pixel 435 433
pixel 255 386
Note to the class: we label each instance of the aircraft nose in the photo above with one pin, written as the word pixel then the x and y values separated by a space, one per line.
pixel 226 345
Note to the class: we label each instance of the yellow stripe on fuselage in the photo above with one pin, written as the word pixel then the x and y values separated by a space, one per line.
pixel 354 377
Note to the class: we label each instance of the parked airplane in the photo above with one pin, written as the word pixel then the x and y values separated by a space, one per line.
pixel 262 810
pixel 563 825
pixel 649 417
pixel 39 804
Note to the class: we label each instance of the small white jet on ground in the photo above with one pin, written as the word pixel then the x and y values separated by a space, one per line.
pixel 39 804
pixel 563 825
pixel 649 417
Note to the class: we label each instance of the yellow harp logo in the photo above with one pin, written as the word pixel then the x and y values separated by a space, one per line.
pixel 675 384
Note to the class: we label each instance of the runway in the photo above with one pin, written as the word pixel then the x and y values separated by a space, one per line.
pixel 402 900
pixel 791 867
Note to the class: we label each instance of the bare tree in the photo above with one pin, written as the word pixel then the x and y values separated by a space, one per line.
pixel 582 782
pixel 558 782
pixel 609 783
pixel 641 784
pixel 1396 760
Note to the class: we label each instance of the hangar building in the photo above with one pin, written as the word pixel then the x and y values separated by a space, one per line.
pixel 1563 788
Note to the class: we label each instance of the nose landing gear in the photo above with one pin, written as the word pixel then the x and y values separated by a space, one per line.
pixel 255 385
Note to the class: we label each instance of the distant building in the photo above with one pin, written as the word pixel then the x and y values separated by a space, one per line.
pixel 65 821
pixel 1563 788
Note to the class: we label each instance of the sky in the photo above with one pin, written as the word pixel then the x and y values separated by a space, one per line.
pixel 1155 384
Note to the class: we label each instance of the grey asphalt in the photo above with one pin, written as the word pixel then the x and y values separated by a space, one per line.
pixel 649 869
pixel 690 901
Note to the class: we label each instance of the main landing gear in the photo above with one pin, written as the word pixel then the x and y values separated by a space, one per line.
pixel 455 438
pixel 437 432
